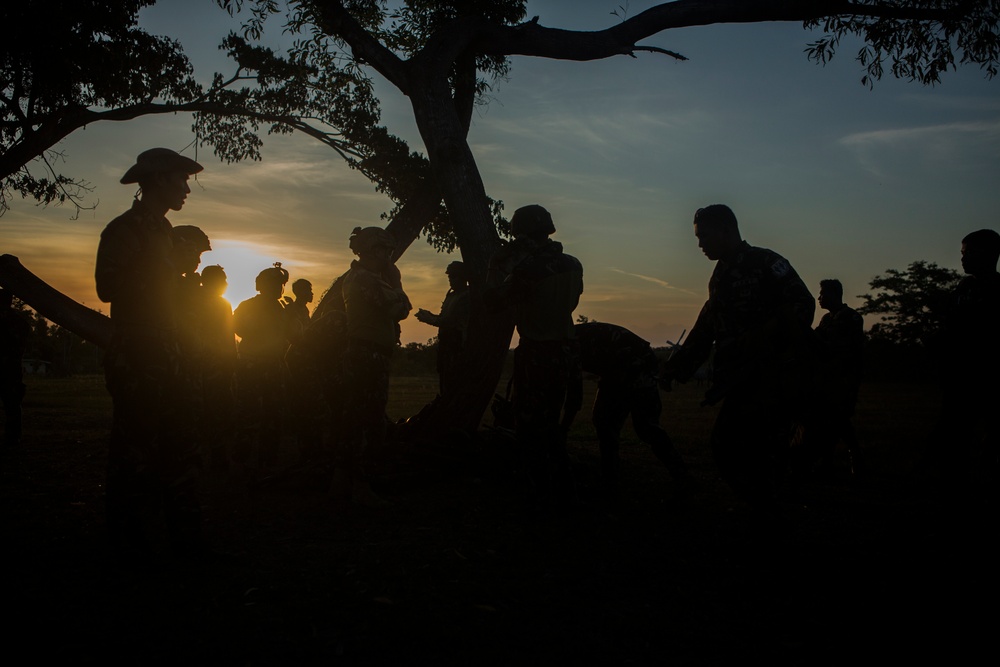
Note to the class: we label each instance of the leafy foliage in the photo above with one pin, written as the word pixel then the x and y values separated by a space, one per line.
pixel 916 49
pixel 59 59
pixel 911 303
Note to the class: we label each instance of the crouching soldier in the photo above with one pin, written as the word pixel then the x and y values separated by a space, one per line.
pixel 627 369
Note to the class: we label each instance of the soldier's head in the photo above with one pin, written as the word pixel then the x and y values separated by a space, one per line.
pixel 214 279
pixel 188 244
pixel 303 290
pixel 271 282
pixel 458 275
pixel 533 222
pixel 373 245
pixel 717 231
pixel 980 251
pixel 831 293
pixel 162 175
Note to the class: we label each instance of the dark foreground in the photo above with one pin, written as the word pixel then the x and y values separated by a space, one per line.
pixel 460 571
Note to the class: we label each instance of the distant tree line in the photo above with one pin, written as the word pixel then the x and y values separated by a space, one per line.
pixel 64 352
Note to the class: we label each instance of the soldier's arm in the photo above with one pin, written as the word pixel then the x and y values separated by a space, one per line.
pixel 115 269
pixel 695 351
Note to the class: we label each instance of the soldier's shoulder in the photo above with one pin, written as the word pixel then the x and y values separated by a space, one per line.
pixel 774 263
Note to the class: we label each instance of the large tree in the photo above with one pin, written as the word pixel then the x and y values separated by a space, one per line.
pixel 436 53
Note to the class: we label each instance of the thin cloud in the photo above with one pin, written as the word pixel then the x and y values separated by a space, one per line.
pixel 655 281
pixel 900 135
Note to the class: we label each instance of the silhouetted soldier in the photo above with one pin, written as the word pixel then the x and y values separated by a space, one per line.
pixel 453 326
pixel 627 367
pixel 841 337
pixel 216 332
pixel 305 400
pixel 189 242
pixel 758 317
pixel 14 333
pixel 543 284
pixel 154 460
pixel 968 440
pixel 297 309
pixel 374 304
pixel 262 326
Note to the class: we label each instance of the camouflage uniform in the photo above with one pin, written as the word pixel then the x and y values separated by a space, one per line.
pixel 216 333
pixel 14 333
pixel 453 325
pixel 758 319
pixel 626 366
pixel 841 339
pixel 967 443
pixel 153 461
pixel 543 285
pixel 261 324
pixel 373 307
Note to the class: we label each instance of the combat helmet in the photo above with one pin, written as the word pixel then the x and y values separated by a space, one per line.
pixel 532 221
pixel 365 239
pixel 192 235
pixel 272 276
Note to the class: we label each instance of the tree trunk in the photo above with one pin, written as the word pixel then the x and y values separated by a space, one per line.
pixel 53 304
pixel 462 188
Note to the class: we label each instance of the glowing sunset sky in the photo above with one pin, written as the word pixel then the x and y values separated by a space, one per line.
pixel 843 181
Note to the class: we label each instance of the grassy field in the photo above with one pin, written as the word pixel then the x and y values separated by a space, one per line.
pixel 460 570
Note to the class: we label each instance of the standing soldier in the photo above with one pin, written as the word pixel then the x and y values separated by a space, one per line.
pixel 453 325
pixel 841 338
pixel 297 309
pixel 374 303
pixel 262 326
pixel 14 333
pixel 627 367
pixel 968 440
pixel 758 317
pixel 217 334
pixel 543 284
pixel 153 461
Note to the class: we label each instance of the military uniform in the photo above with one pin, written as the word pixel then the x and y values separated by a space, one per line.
pixel 543 285
pixel 216 333
pixel 373 307
pixel 841 339
pixel 626 366
pixel 453 326
pixel 154 460
pixel 967 443
pixel 757 320
pixel 262 326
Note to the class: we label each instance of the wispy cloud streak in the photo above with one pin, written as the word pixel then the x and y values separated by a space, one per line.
pixel 656 281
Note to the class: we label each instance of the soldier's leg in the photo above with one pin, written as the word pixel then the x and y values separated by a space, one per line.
pixel 646 409
pixel 745 444
pixel 610 411
pixel 132 488
pixel 179 464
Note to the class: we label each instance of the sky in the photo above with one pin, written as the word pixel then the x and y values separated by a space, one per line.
pixel 844 181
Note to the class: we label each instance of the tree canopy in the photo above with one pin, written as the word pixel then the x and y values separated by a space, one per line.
pixel 911 304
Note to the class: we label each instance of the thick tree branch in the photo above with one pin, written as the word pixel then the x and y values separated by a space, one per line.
pixel 532 39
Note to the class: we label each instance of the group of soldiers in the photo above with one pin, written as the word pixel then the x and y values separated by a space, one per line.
pixel 174 355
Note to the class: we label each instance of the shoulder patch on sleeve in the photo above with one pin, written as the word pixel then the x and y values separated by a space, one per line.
pixel 780 268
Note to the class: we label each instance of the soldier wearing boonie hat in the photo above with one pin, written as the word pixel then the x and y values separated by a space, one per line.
pixel 153 459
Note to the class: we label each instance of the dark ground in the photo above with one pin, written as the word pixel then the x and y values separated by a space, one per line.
pixel 459 571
